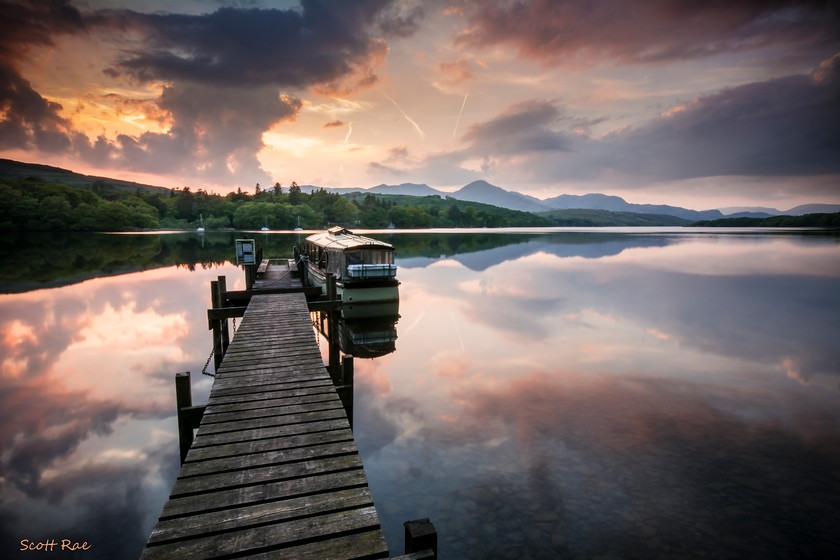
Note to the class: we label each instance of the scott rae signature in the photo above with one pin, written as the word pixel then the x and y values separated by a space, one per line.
pixel 52 545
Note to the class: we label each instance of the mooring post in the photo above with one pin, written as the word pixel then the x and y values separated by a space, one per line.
pixel 183 399
pixel 347 367
pixel 345 390
pixel 222 302
pixel 218 351
pixel 331 290
pixel 332 329
pixel 250 273
pixel 420 535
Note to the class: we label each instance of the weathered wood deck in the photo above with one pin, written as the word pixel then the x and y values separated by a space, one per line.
pixel 274 471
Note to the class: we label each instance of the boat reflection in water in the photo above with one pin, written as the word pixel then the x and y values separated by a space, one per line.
pixel 367 337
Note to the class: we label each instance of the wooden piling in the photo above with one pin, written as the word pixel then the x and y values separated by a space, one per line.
pixel 183 399
pixel 344 387
pixel 222 302
pixel 332 329
pixel 420 535
pixel 218 349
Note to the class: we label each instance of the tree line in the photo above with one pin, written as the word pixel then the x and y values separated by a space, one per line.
pixel 32 204
pixel 807 220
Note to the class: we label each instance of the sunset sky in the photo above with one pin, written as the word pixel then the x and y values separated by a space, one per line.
pixel 696 104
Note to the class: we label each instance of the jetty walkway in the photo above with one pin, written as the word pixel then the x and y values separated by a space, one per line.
pixel 273 471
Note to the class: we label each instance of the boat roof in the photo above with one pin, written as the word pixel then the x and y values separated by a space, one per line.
pixel 342 238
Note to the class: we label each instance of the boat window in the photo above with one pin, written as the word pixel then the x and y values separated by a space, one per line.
pixel 368 256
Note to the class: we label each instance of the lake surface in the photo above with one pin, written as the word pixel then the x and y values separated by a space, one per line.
pixel 637 393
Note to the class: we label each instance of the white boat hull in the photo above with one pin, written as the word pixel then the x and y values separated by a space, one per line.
pixel 368 298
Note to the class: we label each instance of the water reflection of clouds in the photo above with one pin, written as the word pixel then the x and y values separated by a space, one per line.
pixel 783 318
pixel 643 398
pixel 635 454
pixel 87 403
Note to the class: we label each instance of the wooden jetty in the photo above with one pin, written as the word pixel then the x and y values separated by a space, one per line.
pixel 273 470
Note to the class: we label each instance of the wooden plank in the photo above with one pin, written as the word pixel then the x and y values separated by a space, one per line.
pixel 273 491
pixel 268 405
pixel 271 458
pixel 275 537
pixel 257 395
pixel 370 544
pixel 269 444
pixel 181 528
pixel 337 422
pixel 258 475
pixel 264 417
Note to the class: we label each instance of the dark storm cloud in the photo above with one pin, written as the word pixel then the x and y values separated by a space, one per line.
pixel 785 126
pixel 628 31
pixel 780 127
pixel 29 120
pixel 212 136
pixel 319 44
pixel 225 69
pixel 526 127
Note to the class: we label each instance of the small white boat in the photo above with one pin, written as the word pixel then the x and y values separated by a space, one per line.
pixel 298 228
pixel 265 227
pixel 364 270
pixel 200 222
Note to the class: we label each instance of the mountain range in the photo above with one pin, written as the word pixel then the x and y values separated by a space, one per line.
pixel 484 192
pixel 477 191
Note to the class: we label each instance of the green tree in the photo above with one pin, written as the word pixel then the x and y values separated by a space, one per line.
pixel 55 213
pixel 295 195
pixel 469 216
pixel 410 217
pixel 373 218
pixel 341 211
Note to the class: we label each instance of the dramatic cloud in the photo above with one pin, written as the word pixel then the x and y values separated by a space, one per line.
pixel 524 128
pixel 209 137
pixel 224 74
pixel 627 31
pixel 324 43
pixel 786 126
pixel 782 127
pixel 27 119
pixel 334 124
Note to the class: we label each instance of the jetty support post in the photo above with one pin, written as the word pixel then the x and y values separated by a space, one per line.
pixel 189 416
pixel 250 275
pixel 332 329
pixel 222 302
pixel 344 387
pixel 421 535
pixel 218 349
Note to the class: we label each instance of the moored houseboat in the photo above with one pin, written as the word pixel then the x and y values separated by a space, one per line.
pixel 364 271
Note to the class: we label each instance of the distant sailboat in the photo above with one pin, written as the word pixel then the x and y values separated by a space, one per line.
pixel 298 228
pixel 265 227
pixel 201 222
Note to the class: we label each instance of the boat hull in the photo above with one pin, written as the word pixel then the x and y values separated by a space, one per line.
pixel 361 298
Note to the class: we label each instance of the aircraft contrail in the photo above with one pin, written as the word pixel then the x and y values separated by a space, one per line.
pixel 459 114
pixel 409 119
pixel 457 331
pixel 349 131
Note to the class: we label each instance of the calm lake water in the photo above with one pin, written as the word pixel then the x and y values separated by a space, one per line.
pixel 633 393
